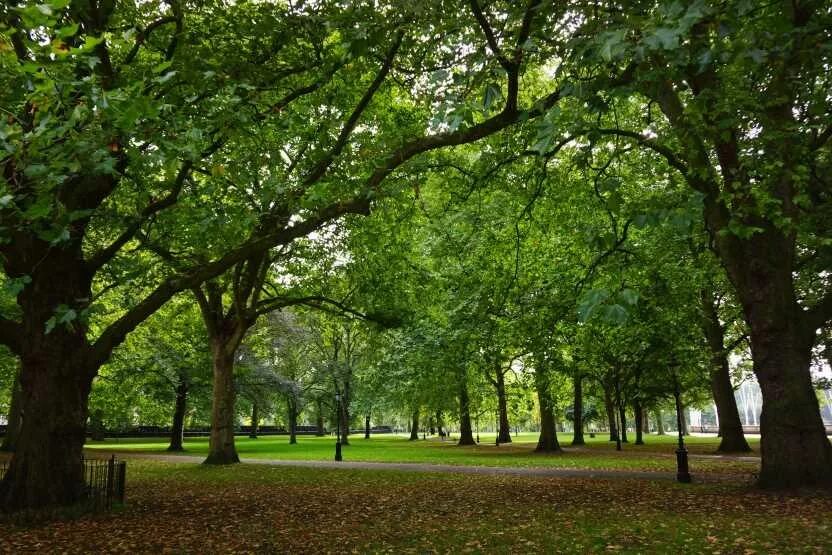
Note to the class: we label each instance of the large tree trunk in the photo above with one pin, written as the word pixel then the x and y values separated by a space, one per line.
pixel 14 419
pixel 504 434
pixel 177 429
pixel 794 447
pixel 466 434
pixel 46 467
pixel 56 373
pixel 730 426
pixel 366 426
pixel 638 414
pixel 610 408
pixel 221 449
pixel 414 426
pixel 578 410
pixel 548 440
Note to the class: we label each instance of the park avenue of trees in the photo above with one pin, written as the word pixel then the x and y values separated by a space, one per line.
pixel 442 210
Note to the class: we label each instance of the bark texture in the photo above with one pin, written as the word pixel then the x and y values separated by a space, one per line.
pixel 177 429
pixel 578 410
pixel 221 447
pixel 414 426
pixel 730 426
pixel 548 440
pixel 504 433
pixel 610 409
pixel 466 434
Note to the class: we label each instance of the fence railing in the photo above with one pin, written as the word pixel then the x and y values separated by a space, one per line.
pixel 104 481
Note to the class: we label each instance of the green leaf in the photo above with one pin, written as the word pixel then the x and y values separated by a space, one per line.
pixel 614 314
pixel 14 286
pixel 68 31
pixel 492 95
pixel 628 296
pixel 613 44
pixel 663 38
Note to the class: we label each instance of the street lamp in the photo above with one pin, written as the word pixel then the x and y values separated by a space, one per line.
pixel 682 471
pixel 337 425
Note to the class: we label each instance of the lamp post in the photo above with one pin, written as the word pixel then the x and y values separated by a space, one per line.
pixel 682 471
pixel 337 425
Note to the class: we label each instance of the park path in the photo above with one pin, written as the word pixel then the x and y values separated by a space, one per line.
pixel 538 472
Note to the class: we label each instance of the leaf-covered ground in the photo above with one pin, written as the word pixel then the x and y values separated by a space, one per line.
pixel 599 453
pixel 186 508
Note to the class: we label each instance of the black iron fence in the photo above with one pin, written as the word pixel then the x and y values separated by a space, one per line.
pixel 104 481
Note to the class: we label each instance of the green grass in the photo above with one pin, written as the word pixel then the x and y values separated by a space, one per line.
pixel 188 508
pixel 657 454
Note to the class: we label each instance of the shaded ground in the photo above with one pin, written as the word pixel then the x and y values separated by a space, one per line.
pixel 187 508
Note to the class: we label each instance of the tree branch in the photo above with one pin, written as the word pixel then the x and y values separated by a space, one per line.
pixel 143 34
pixel 667 153
pixel 115 334
pixel 482 21
pixel 106 254
pixel 323 165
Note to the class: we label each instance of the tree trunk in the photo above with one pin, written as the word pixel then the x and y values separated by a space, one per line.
pixel 659 423
pixel 221 448
pixel 366 426
pixel 638 414
pixel 414 426
pixel 608 405
pixel 15 418
pixel 46 467
pixel 466 434
pixel 177 429
pixel 255 420
pixel 293 422
pixel 730 426
pixel 548 440
pixel 502 404
pixel 578 411
pixel 794 447
pixel 320 420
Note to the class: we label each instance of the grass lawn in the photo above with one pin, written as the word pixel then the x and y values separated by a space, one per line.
pixel 188 508
pixel 657 454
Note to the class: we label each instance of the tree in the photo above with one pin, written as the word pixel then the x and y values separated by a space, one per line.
pixel 128 120
pixel 743 118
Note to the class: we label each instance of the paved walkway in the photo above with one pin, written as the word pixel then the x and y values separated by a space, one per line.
pixel 540 472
